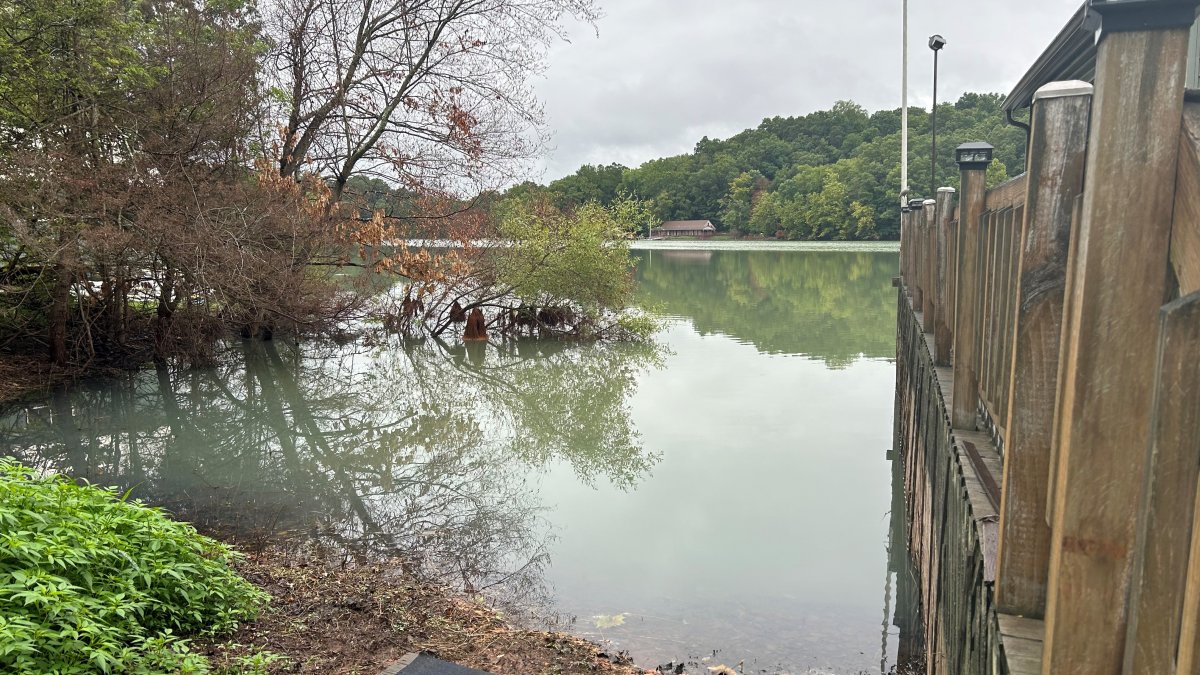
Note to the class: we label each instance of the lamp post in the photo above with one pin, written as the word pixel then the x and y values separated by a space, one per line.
pixel 936 42
pixel 904 104
pixel 973 160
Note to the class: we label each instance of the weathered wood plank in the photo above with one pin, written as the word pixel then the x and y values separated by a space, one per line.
pixel 916 220
pixel 943 333
pixel 929 306
pixel 1011 264
pixel 1058 143
pixel 966 329
pixel 1021 627
pixel 1185 231
pixel 1172 468
pixel 1120 283
pixel 988 315
pixel 1057 431
pixel 1007 194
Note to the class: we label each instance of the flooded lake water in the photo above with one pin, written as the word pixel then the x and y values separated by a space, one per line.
pixel 725 490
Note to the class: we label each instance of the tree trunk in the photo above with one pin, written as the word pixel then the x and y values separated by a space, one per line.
pixel 60 306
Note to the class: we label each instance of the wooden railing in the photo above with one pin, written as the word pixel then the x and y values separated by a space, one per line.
pixel 1048 407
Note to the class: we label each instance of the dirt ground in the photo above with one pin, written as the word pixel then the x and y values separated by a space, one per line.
pixel 325 618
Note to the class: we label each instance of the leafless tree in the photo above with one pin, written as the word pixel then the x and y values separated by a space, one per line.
pixel 429 94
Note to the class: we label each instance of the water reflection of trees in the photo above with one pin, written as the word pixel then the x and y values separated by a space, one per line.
pixel 832 305
pixel 418 449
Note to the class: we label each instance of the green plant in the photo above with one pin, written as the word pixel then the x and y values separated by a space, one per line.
pixel 258 662
pixel 92 582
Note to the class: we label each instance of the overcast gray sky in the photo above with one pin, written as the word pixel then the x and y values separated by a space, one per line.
pixel 663 73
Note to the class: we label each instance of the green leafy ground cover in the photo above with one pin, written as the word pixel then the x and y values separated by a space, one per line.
pixel 93 582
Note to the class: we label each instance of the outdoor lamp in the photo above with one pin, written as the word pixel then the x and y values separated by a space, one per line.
pixel 916 204
pixel 973 156
pixel 936 42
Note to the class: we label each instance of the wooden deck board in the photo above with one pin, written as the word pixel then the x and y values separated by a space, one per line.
pixel 1021 643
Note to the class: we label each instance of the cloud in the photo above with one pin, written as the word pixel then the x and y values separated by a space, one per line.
pixel 660 74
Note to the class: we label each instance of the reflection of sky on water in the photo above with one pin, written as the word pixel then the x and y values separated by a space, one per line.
pixel 762 531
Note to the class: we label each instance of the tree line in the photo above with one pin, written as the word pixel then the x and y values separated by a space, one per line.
pixel 831 174
pixel 172 171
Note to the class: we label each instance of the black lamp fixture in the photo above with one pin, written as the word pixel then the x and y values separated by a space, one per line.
pixel 936 42
pixel 1130 15
pixel 916 204
pixel 973 156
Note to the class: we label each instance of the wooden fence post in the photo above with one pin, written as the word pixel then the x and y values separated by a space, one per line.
pixel 905 249
pixel 1121 273
pixel 972 182
pixel 929 276
pixel 1057 150
pixel 943 336
pixel 916 222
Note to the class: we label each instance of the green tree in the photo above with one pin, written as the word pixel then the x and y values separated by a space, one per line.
pixel 767 217
pixel 997 173
pixel 738 203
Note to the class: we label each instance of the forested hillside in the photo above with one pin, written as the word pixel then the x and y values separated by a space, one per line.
pixel 832 174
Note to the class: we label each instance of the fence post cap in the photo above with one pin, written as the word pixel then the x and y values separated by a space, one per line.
pixel 1063 88
pixel 946 189
pixel 928 202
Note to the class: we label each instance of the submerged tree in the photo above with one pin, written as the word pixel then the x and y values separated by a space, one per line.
pixel 534 269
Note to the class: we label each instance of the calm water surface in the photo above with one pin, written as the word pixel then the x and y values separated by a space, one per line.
pixel 726 489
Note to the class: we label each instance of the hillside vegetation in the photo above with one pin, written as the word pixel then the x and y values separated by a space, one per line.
pixel 831 174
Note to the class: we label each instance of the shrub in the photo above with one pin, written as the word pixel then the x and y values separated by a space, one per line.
pixel 92 582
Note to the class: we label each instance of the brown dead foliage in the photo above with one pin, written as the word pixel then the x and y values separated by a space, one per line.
pixel 327 618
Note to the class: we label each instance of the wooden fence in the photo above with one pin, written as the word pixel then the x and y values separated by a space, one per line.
pixel 1048 386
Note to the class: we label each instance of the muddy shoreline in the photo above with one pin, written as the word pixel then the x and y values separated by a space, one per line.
pixel 326 617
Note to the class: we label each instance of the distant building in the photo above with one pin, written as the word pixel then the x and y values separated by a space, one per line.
pixel 684 228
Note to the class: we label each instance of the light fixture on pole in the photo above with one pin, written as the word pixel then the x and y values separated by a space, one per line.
pixel 936 42
pixel 973 156
pixel 903 102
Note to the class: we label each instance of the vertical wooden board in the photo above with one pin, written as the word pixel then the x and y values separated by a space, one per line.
pixel 943 335
pixel 1011 258
pixel 1060 380
pixel 952 279
pixel 1003 299
pixel 995 302
pixel 987 268
pixel 1185 231
pixel 1188 658
pixel 997 321
pixel 966 329
pixel 1172 469
pixel 1120 281
pixel 917 221
pixel 1058 142
pixel 931 266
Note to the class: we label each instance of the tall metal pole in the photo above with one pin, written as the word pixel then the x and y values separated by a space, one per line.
pixel 936 42
pixel 933 124
pixel 904 106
